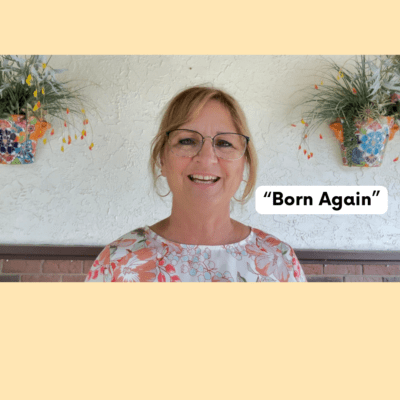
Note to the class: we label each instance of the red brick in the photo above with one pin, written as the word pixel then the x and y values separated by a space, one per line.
pixel 385 279
pixel 362 278
pixel 87 265
pixel 358 278
pixel 324 279
pixel 41 278
pixel 73 278
pixel 17 266
pixel 312 269
pixel 9 278
pixel 62 266
pixel 338 269
pixel 381 269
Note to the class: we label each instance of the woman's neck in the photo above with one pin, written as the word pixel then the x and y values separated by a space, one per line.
pixel 201 227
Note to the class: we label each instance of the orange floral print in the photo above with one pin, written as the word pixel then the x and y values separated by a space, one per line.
pixel 143 256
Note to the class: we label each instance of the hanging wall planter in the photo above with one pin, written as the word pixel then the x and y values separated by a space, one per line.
pixel 17 141
pixel 372 138
pixel 30 96
pixel 364 101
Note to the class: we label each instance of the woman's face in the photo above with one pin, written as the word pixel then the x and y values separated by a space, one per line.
pixel 184 174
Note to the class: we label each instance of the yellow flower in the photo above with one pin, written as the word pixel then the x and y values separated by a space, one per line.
pixel 83 111
pixel 35 93
pixel 64 141
pixel 62 149
pixel 44 140
pixel 28 80
pixel 37 106
pixel 43 90
pixel 44 65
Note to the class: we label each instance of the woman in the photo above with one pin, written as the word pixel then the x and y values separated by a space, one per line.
pixel 202 148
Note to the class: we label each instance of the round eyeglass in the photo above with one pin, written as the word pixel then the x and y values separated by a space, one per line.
pixel 188 143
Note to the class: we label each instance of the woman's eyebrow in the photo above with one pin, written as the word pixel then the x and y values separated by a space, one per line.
pixel 218 132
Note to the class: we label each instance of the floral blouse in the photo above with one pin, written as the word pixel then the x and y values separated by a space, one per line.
pixel 144 256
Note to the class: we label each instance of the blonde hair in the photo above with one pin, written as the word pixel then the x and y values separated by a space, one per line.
pixel 185 107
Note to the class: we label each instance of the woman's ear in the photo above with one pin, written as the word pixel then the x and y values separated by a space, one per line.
pixel 162 165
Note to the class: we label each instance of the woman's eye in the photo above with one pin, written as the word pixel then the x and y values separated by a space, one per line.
pixel 223 143
pixel 186 141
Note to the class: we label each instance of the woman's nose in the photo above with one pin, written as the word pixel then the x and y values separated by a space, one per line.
pixel 207 151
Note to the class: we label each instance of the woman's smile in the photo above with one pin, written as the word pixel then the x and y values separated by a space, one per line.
pixel 200 178
pixel 204 181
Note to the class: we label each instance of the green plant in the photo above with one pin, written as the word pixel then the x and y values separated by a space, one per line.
pixel 366 88
pixel 29 87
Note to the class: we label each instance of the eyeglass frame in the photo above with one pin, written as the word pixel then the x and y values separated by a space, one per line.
pixel 212 141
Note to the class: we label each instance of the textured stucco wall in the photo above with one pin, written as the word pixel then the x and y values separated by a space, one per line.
pixel 93 197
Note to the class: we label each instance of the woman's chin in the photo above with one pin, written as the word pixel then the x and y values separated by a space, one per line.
pixel 203 195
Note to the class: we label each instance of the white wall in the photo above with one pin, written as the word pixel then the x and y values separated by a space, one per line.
pixel 88 197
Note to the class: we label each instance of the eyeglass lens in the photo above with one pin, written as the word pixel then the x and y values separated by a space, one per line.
pixel 229 146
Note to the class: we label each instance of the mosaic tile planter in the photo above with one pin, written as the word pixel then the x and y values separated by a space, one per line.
pixel 372 137
pixel 17 141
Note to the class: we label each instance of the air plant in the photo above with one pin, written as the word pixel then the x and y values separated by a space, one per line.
pixel 29 88
pixel 366 88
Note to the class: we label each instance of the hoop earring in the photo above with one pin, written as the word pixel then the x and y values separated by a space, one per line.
pixel 234 198
pixel 165 195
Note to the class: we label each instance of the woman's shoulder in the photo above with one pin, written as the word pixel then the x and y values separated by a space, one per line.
pixel 267 240
pixel 285 264
pixel 270 243
pixel 129 242
pixel 119 252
